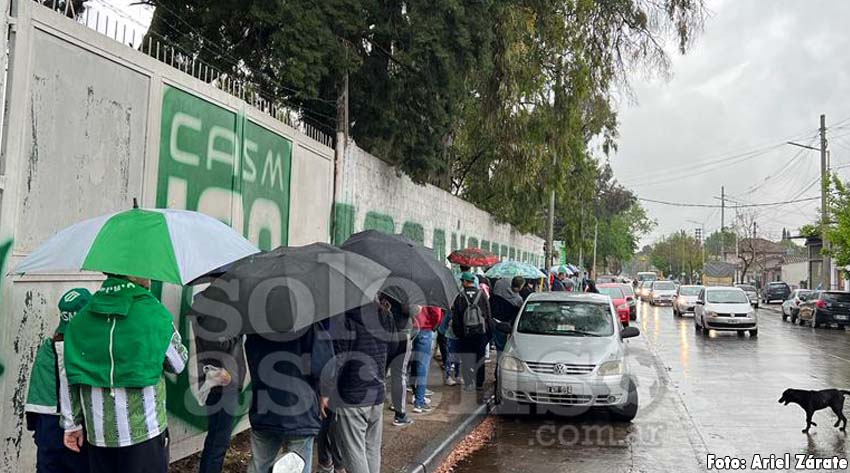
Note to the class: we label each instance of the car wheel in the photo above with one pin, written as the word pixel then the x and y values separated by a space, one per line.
pixel 740 333
pixel 628 411
pixel 754 333
pixel 757 306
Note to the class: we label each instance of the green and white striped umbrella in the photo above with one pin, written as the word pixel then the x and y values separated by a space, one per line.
pixel 167 245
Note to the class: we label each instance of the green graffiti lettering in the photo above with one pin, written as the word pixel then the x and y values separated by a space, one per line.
pixel 194 131
pixel 440 244
pixel 380 222
pixel 5 248
pixel 343 219
pixel 414 231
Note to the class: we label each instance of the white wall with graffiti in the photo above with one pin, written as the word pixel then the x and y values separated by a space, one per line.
pixel 375 196
pixel 90 123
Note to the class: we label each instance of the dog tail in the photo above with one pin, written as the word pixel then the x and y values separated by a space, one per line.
pixel 842 391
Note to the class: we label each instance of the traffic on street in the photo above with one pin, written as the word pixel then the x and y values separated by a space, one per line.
pixel 699 396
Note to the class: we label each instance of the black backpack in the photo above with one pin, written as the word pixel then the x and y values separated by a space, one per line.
pixel 473 317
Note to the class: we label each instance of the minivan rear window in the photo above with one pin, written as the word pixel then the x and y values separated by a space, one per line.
pixel 664 286
pixel 836 296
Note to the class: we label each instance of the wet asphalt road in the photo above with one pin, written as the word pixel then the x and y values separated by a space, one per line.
pixel 698 396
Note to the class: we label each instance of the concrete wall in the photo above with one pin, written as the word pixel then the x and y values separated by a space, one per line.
pixel 89 124
pixel 375 196
pixel 793 273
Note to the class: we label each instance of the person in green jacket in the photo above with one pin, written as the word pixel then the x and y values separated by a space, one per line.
pixel 117 350
pixel 47 388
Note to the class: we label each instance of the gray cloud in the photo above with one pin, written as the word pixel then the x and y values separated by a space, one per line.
pixel 760 73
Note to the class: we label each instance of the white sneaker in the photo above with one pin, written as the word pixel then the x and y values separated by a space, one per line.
pixel 450 381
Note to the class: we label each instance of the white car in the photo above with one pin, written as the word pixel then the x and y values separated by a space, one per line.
pixel 566 352
pixel 685 300
pixel 791 306
pixel 662 292
pixel 725 308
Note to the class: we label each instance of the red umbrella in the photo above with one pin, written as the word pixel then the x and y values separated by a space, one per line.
pixel 474 257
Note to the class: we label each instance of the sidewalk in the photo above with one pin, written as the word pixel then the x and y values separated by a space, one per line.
pixel 400 445
pixel 452 406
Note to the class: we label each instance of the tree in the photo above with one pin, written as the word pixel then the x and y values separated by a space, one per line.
pixel 496 101
pixel 718 240
pixel 677 253
pixel 747 243
pixel 839 230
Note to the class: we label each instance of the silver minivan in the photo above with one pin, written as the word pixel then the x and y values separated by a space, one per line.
pixel 725 308
pixel 565 351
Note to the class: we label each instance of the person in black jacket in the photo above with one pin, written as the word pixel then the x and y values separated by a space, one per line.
pixel 358 388
pixel 473 335
pixel 287 403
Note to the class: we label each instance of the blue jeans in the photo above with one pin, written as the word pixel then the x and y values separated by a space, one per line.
pixel 453 361
pixel 266 444
pixel 51 455
pixel 423 345
pixel 221 412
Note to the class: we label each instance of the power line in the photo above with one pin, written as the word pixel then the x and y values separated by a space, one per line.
pixel 717 206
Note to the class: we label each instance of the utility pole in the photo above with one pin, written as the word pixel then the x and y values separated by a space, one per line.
pixel 723 223
pixel 754 243
pixel 595 236
pixel 581 238
pixel 824 188
pixel 339 149
pixel 550 234
pixel 826 273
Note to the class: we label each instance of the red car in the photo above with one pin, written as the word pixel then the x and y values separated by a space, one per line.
pixel 618 297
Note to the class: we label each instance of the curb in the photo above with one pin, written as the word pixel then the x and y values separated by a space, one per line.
pixel 431 457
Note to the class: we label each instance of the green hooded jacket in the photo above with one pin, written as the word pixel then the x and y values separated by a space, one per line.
pixel 42 393
pixel 119 339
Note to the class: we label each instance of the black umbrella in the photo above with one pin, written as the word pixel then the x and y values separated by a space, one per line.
pixel 416 275
pixel 287 289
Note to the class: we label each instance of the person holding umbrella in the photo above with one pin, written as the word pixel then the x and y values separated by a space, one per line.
pixel 117 350
pixel 357 386
pixel 471 323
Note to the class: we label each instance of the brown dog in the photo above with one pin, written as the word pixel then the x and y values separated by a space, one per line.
pixel 812 401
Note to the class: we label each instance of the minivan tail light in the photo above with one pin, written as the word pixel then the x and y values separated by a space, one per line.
pixel 821 304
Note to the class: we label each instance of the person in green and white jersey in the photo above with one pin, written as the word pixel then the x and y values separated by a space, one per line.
pixel 47 386
pixel 117 350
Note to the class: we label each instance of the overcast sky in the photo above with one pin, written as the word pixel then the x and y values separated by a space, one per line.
pixel 761 73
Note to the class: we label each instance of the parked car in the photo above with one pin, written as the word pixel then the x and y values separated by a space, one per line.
pixel 775 291
pixel 791 306
pixel 643 290
pixel 647 276
pixel 662 292
pixel 631 297
pixel 607 279
pixel 725 308
pixel 685 300
pixel 751 292
pixel 826 308
pixel 618 298
pixel 566 349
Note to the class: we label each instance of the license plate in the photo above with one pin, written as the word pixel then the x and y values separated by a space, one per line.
pixel 559 389
pixel 841 317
